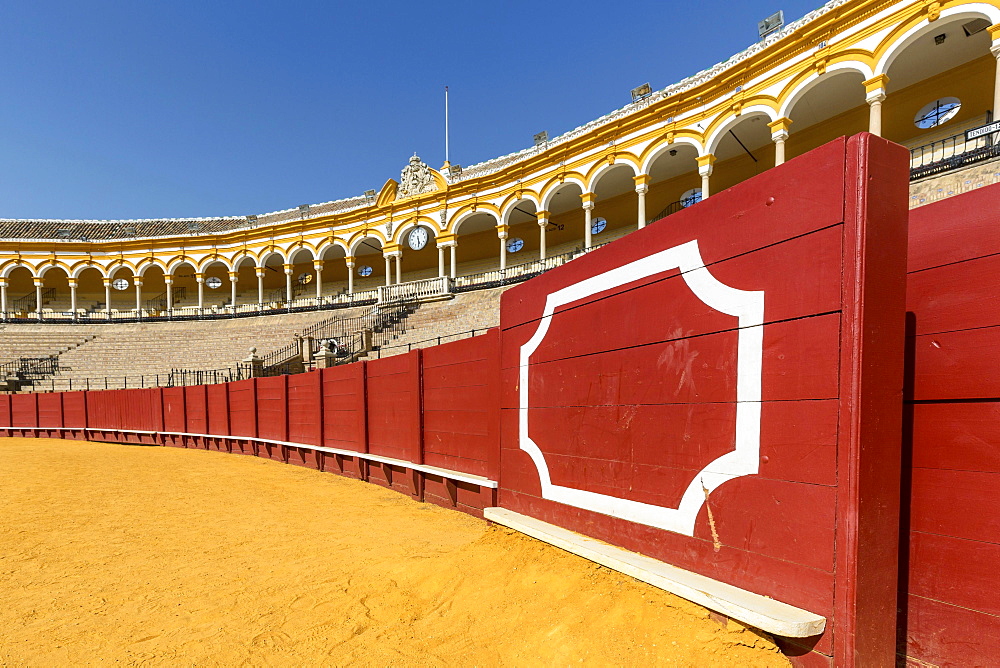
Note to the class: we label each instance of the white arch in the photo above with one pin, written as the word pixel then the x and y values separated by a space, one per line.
pixel 111 271
pixel 290 253
pixel 547 198
pixel 267 256
pixel 751 111
pixel 678 141
pixel 84 267
pixel 172 267
pixel 971 10
pixel 399 235
pixel 361 240
pixel 209 261
pixel 41 271
pixel 458 222
pixel 607 168
pixel 155 262
pixel 327 245
pixel 815 79
pixel 508 211
pixel 241 256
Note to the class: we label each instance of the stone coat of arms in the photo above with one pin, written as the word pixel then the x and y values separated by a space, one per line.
pixel 416 179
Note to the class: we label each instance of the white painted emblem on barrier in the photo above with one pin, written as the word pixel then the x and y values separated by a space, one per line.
pixel 748 307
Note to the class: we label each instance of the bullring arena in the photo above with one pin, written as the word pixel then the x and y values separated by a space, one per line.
pixel 717 369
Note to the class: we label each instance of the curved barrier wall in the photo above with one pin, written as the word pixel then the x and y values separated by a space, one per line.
pixel 722 393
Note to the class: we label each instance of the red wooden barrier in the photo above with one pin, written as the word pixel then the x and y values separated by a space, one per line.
pixel 242 401
pixel 461 413
pixel 951 532
pixel 5 419
pixel 24 414
pixel 74 414
pixel 218 416
pixel 272 415
pixel 174 415
pixel 196 411
pixel 305 417
pixel 50 415
pixel 394 419
pixel 628 414
pixel 345 425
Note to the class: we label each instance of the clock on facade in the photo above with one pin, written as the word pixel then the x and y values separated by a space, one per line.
pixel 417 238
pixel 119 284
pixel 214 282
pixel 364 270
pixel 515 244
pixel 597 225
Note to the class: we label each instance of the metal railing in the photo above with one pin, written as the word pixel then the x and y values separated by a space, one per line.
pixel 434 340
pixel 518 273
pixel 24 367
pixel 159 302
pixel 29 302
pixel 950 153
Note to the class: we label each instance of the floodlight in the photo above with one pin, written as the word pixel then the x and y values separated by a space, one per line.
pixel 641 92
pixel 194 226
pixel 455 171
pixel 369 196
pixel 304 210
pixel 541 138
pixel 771 24
pixel 252 220
pixel 975 26
pixel 129 230
pixel 64 233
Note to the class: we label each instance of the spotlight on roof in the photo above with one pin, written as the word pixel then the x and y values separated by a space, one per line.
pixel 541 138
pixel 194 226
pixel 455 171
pixel 771 24
pixel 64 233
pixel 369 196
pixel 252 220
pixel 129 230
pixel 304 210
pixel 939 39
pixel 641 92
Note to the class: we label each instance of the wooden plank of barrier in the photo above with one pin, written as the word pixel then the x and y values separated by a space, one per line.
pixel 393 409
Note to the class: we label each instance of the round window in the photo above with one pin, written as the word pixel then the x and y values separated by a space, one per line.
pixel 364 270
pixel 305 278
pixel 119 284
pixel 213 282
pixel 597 225
pixel 515 244
pixel 937 112
pixel 692 196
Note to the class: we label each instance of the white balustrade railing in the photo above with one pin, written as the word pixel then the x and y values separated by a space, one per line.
pixel 415 290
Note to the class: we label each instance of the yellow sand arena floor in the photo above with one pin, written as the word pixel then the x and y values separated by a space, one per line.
pixel 129 555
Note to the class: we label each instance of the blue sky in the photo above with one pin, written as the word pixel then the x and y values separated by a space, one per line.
pixel 177 109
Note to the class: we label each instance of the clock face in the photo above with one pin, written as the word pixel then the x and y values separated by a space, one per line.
pixel 597 225
pixel 214 282
pixel 119 284
pixel 364 270
pixel 515 244
pixel 417 238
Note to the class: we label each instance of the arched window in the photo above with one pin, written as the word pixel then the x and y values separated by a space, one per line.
pixel 690 197
pixel 937 112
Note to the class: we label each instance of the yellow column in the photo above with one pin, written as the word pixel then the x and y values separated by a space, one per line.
pixel 169 280
pixel 234 277
pixel 38 297
pixel 138 295
pixel 641 188
pixel 318 268
pixel 502 233
pixel 875 96
pixel 200 278
pixel 289 269
pixel 72 296
pixel 706 165
pixel 588 200
pixel 349 261
pixel 107 297
pixel 543 222
pixel 779 134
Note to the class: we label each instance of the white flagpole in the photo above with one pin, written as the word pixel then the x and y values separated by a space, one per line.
pixel 446 159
